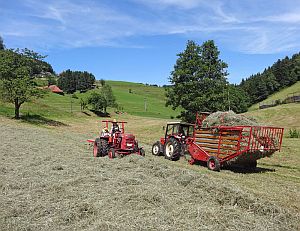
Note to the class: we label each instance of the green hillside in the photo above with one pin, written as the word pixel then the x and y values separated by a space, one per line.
pixel 284 115
pixel 56 106
pixel 134 102
pixel 279 95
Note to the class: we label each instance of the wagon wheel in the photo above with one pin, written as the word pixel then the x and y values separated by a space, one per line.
pixel 157 149
pixel 97 148
pixel 172 149
pixel 213 164
pixel 111 153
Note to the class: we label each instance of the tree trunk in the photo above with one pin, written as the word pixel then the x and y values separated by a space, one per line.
pixel 17 109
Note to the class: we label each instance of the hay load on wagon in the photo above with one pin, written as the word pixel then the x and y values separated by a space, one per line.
pixel 228 118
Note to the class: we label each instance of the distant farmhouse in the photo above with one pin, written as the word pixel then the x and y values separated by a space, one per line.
pixel 54 89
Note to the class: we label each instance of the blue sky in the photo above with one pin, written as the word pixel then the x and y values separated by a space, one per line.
pixel 137 40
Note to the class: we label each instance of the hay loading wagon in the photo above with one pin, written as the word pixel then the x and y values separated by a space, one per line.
pixel 221 145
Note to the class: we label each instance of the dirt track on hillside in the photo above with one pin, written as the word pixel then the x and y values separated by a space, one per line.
pixel 50 181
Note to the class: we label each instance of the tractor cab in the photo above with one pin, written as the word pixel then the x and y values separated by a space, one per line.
pixel 172 145
pixel 179 130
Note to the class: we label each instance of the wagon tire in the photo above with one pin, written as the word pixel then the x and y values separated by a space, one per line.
pixel 157 149
pixel 111 153
pixel 213 164
pixel 104 147
pixel 172 149
pixel 97 148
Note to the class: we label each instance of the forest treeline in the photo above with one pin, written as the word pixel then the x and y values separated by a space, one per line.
pixel 281 74
pixel 71 81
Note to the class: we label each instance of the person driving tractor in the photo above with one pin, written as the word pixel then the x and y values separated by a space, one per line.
pixel 115 127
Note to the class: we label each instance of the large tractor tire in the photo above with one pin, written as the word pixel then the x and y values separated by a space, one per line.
pixel 157 149
pixel 213 164
pixel 172 149
pixel 97 148
pixel 104 147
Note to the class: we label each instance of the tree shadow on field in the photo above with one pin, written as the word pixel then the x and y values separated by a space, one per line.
pixel 40 120
pixel 100 113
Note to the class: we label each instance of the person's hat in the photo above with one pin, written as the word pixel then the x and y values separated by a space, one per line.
pixel 105 129
pixel 114 121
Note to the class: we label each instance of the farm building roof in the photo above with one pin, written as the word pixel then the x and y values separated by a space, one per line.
pixel 55 89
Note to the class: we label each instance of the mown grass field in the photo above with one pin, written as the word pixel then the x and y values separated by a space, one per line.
pixel 50 181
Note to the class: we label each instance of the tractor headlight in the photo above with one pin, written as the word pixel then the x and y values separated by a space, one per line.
pixel 129 145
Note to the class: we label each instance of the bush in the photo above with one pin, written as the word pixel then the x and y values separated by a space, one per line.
pixel 293 133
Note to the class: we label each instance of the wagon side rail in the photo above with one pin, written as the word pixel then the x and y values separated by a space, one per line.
pixel 266 138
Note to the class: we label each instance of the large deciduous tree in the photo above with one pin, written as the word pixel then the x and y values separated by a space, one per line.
pixel 18 69
pixel 198 80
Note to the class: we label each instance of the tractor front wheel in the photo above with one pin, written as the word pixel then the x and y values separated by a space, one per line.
pixel 97 148
pixel 213 164
pixel 172 149
pixel 104 147
pixel 157 149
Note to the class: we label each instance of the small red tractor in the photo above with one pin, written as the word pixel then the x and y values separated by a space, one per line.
pixel 115 143
pixel 218 145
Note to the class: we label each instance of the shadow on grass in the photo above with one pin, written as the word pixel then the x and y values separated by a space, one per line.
pixel 100 113
pixel 240 169
pixel 88 114
pixel 40 120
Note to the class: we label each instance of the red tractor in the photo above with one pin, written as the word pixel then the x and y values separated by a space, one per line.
pixel 115 143
pixel 173 144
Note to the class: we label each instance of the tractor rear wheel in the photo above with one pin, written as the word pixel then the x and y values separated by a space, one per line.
pixel 157 149
pixel 213 164
pixel 172 149
pixel 104 147
pixel 97 148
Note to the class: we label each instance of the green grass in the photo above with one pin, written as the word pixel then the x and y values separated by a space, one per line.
pixel 134 103
pixel 279 95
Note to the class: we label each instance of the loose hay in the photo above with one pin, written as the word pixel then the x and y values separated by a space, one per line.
pixel 228 118
pixel 60 186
